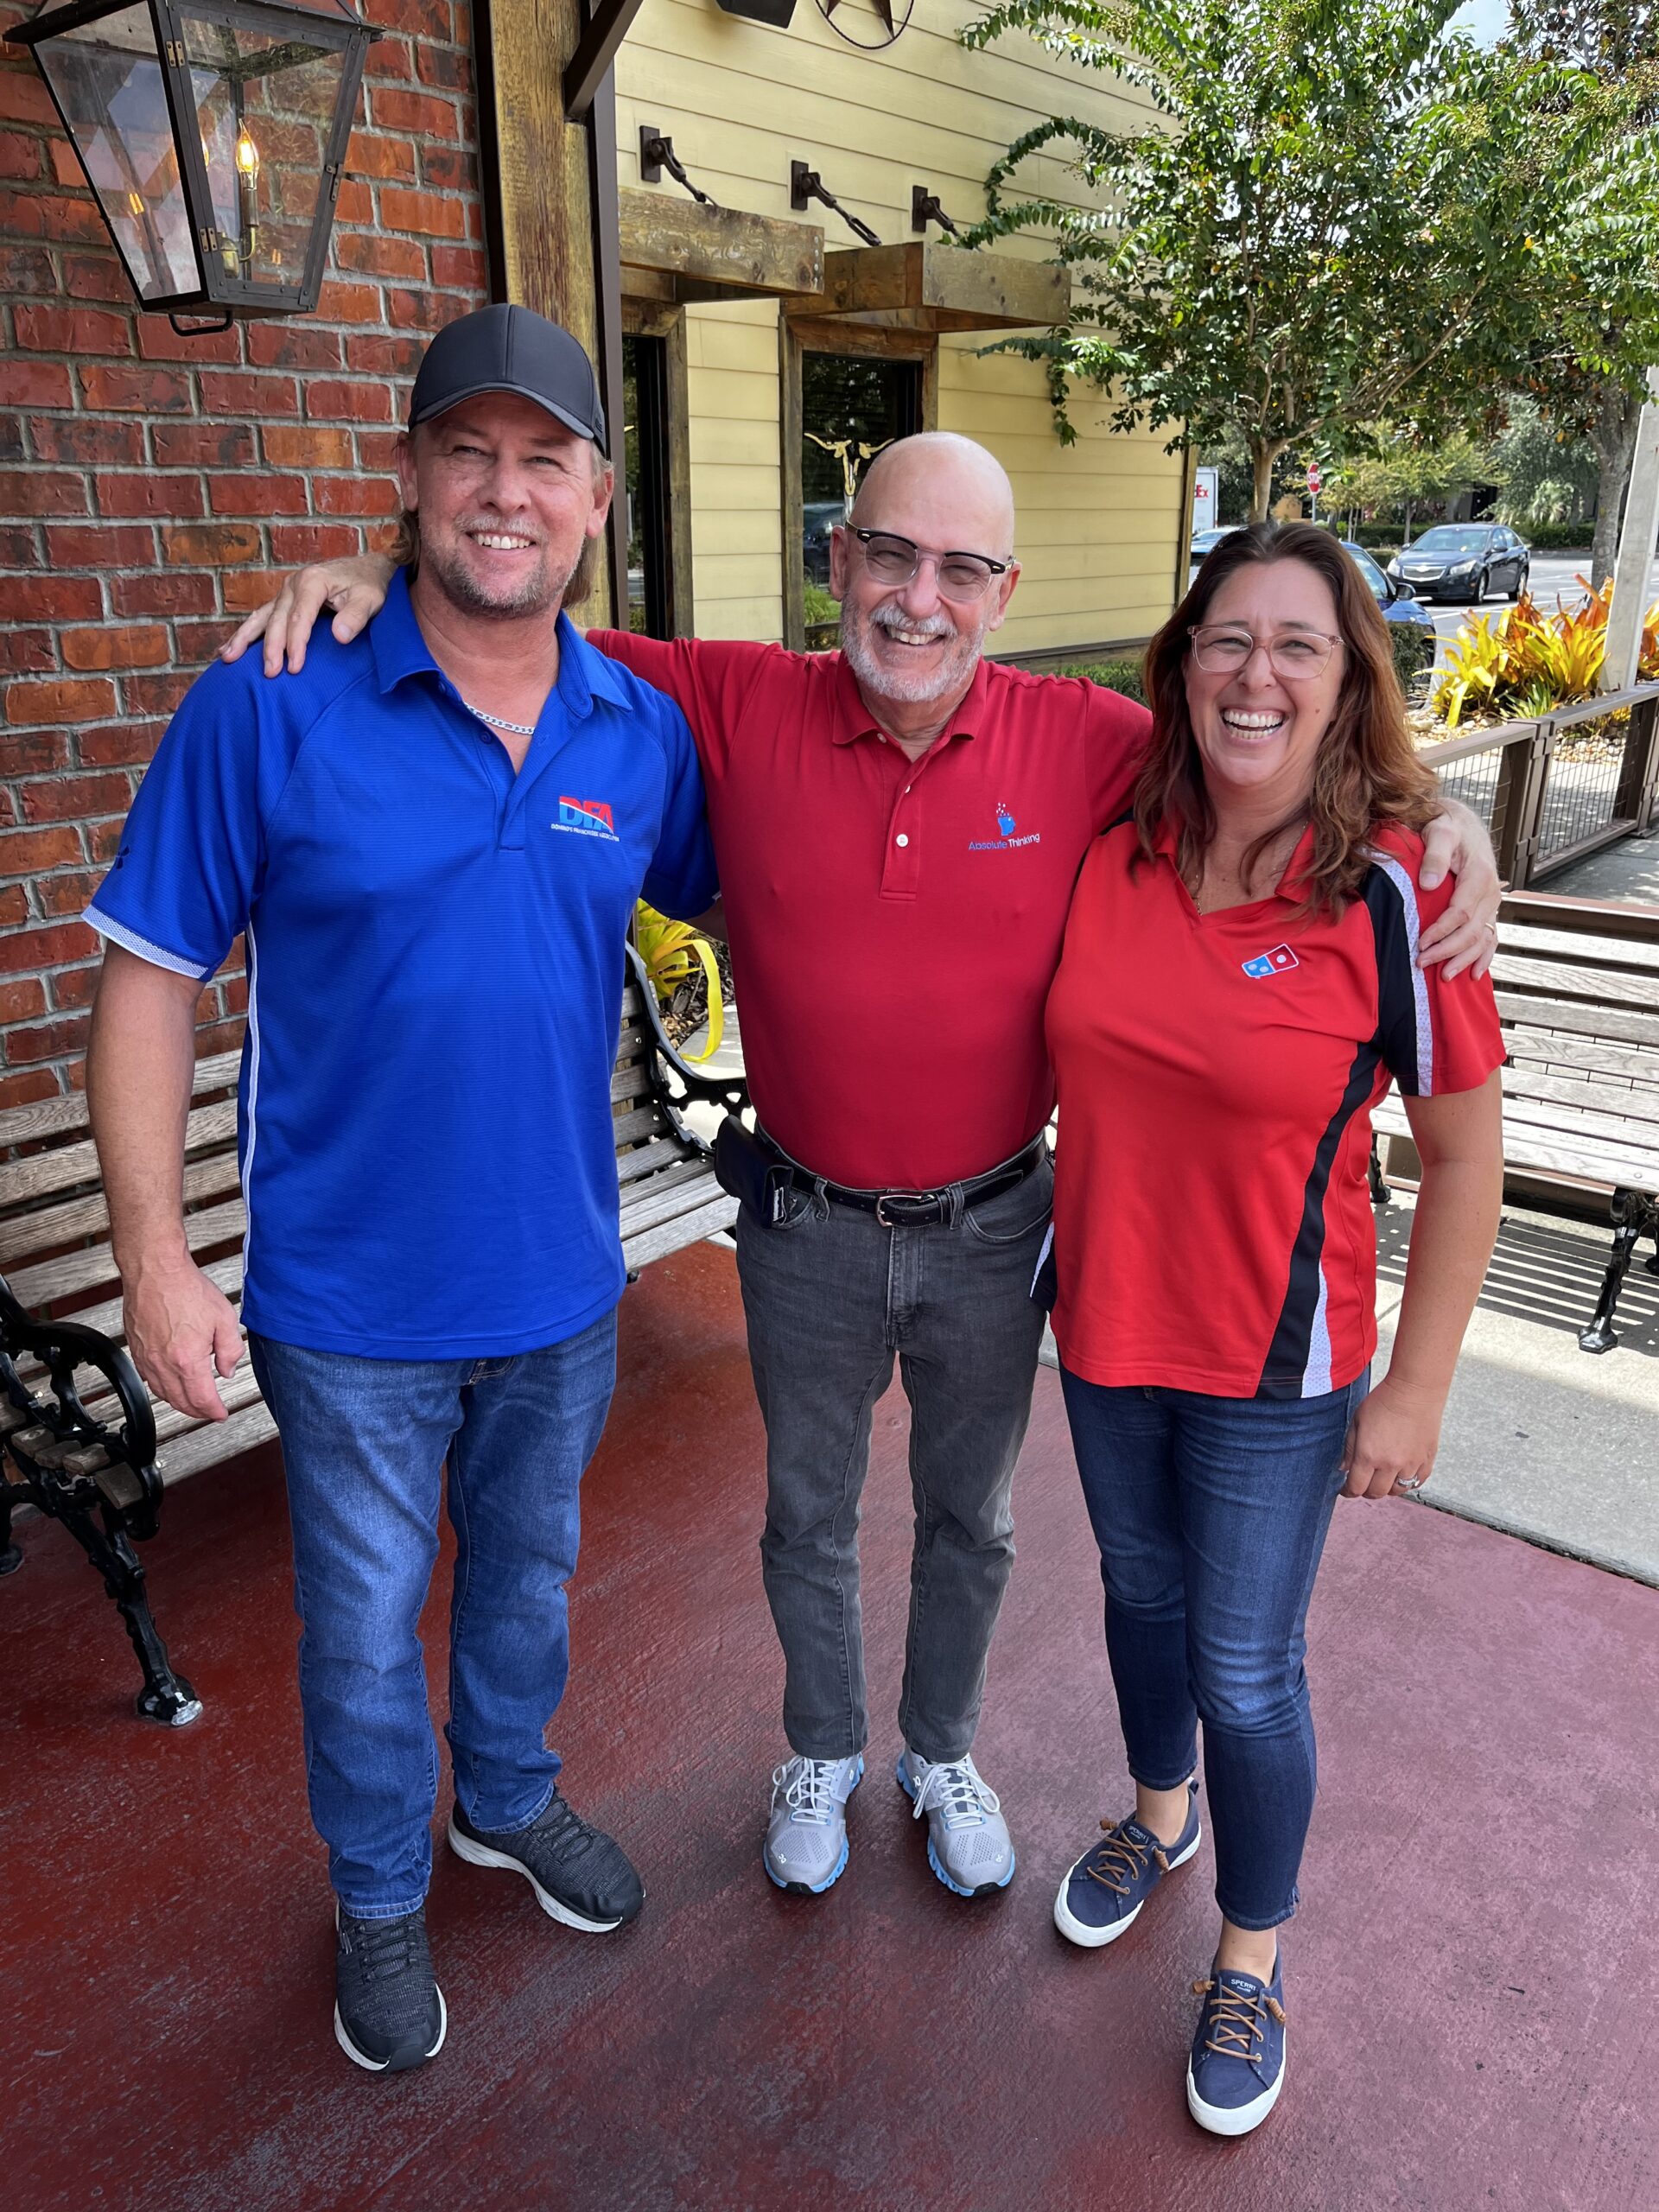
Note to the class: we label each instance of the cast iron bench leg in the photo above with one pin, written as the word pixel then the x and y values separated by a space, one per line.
pixel 1629 1212
pixel 166 1696
pixel 1381 1194
pixel 10 1558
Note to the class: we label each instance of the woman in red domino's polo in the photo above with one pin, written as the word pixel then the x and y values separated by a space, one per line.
pixel 1239 986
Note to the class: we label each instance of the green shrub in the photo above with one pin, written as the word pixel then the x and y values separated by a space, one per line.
pixel 1123 675
pixel 1557 536
pixel 817 606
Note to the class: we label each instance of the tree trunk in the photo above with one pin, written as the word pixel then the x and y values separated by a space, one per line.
pixel 1613 436
pixel 1263 454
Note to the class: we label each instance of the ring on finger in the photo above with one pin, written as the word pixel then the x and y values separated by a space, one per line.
pixel 1409 1482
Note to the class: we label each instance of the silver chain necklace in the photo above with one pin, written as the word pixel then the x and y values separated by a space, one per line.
pixel 499 721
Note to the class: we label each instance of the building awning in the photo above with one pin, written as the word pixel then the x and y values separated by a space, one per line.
pixel 922 286
pixel 675 250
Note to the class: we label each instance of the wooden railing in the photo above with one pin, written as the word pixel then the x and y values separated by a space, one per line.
pixel 1548 801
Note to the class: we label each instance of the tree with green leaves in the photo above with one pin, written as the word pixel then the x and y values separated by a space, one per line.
pixel 1334 219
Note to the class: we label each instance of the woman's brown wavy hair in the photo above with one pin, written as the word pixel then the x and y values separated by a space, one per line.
pixel 1366 771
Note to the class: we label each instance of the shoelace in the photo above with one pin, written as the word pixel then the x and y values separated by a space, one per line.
pixel 565 1826
pixel 1121 1854
pixel 1235 2027
pixel 958 1792
pixel 809 1793
pixel 385 1948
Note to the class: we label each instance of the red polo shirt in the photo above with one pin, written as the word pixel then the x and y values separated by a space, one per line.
pixel 1212 1219
pixel 894 924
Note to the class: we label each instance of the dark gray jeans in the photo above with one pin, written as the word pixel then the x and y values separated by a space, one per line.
pixel 830 1298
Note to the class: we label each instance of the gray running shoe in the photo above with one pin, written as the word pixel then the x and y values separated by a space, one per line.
pixel 968 1847
pixel 806 1836
pixel 389 2011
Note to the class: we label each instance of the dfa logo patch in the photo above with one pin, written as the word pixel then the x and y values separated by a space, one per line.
pixel 1271 963
pixel 588 817
pixel 1004 838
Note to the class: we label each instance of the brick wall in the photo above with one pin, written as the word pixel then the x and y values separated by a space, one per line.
pixel 150 483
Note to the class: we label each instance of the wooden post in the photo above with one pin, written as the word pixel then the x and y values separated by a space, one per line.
pixel 1636 544
pixel 1639 777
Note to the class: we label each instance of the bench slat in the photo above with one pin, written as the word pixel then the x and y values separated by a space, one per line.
pixel 73 1271
pixel 1552 1145
pixel 1601 984
pixel 720 1213
pixel 53 1116
pixel 51 1226
pixel 215 1441
pixel 1570 944
pixel 1635 1145
pixel 664 1153
pixel 1605 1099
pixel 42 1173
pixel 1599 1058
pixel 1584 1020
pixel 664 1197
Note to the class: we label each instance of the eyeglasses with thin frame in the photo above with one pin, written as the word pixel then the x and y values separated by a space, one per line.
pixel 893 560
pixel 1223 648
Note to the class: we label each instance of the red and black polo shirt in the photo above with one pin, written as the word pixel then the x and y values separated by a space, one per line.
pixel 1212 1221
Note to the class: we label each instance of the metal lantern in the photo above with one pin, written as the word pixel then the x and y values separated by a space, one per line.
pixel 212 133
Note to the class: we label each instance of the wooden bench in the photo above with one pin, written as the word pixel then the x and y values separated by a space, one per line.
pixel 1577 993
pixel 81 1440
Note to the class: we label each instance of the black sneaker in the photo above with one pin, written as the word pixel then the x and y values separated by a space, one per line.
pixel 579 1875
pixel 389 2011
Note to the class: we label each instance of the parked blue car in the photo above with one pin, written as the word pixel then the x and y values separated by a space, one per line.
pixel 1397 599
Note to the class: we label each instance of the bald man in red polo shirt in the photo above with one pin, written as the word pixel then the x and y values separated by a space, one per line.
pixel 899 826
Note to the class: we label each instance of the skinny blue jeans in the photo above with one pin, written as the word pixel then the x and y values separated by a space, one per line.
pixel 365 1443
pixel 1211 1514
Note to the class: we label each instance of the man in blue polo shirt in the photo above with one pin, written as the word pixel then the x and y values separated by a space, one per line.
pixel 434 842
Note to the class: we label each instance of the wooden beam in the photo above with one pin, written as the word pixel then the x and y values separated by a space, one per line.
pixel 923 286
pixel 718 247
pixel 608 25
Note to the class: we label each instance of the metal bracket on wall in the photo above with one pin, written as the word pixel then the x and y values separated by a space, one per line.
pixel 805 185
pixel 924 208
pixel 657 154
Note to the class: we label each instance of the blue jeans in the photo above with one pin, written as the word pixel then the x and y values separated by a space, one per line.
pixel 1211 1514
pixel 365 1443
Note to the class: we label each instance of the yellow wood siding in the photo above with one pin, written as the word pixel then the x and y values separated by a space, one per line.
pixel 1099 521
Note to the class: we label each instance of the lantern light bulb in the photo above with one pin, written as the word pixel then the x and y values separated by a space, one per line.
pixel 136 206
pixel 247 154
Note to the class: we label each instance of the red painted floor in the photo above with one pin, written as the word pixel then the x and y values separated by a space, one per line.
pixel 1473 1982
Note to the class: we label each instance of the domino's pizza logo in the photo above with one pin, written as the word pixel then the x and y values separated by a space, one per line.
pixel 1271 963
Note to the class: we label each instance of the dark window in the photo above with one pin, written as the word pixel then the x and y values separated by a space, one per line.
pixel 645 402
pixel 850 408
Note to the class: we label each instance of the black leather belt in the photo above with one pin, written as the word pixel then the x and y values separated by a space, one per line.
pixel 910 1209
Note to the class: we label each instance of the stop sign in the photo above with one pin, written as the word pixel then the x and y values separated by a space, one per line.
pixel 1313 476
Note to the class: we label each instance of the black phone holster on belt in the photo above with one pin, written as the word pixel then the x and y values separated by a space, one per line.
pixel 758 1179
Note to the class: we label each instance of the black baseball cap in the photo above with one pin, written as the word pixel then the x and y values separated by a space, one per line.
pixel 510 349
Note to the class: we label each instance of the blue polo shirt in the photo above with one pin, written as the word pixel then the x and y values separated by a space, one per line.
pixel 435 963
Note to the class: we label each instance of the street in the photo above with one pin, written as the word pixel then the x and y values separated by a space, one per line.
pixel 1555 581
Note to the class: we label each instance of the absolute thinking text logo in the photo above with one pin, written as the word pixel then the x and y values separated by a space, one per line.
pixel 1005 839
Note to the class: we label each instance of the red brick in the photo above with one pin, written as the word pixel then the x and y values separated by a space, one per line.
pixel 76 798
pixel 21 1002
pixel 86 439
pixel 29 703
pixel 34 384
pixel 243 589
pixel 424 310
pixel 72 330
pixel 447 168
pixel 74 987
pixel 459 268
pixel 291 543
pixel 148 392
pixel 65 893
pixel 29 852
pixel 169 593
pixel 66 169
pixel 114 644
pixel 210 545
pixel 20 158
pixel 381 538
pixel 377 449
pixel 27 652
pixel 35 753
pixel 354 202
pixel 367 155
pixel 119 745
pixel 148 495
pixel 353 403
pixel 218 1037
pixel 29 1089
pixel 98 545
pixel 155 694
pixel 427 20
pixel 368 251
pixel 233 990
pixel 390 57
pixel 41 491
pixel 48 1040
pixel 350 303
pixel 73 1072
pixel 425 212
pixel 159 341
pixel 307 447
pixel 24 98
pixel 199 641
pixel 95 276
pixel 259 496
pixel 22 214
pixel 11 438
pixel 50 598
pixel 419 113
pixel 443 66
pixel 375 354
pixel 201 445
pixel 75 220
pixel 283 344
pixel 27 269
pixel 103 838
pixel 248 396
pixel 355 495
pixel 17 549
pixel 14 905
